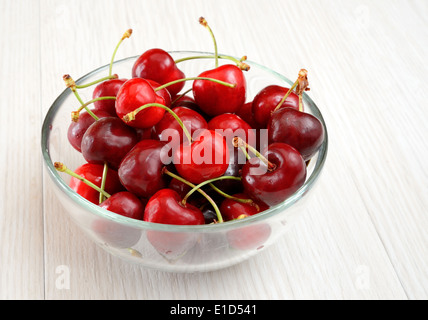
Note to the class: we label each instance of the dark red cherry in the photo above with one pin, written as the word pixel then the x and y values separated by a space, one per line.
pixel 272 185
pixel 108 88
pixel 94 173
pixel 207 157
pixel 231 125
pixel 299 129
pixel 76 130
pixel 181 99
pixel 169 128
pixel 141 169
pixel 215 99
pixel 158 65
pixel 232 209
pixel 166 207
pixel 236 161
pixel 246 114
pixel 265 102
pixel 108 140
pixel 135 93
pixel 126 204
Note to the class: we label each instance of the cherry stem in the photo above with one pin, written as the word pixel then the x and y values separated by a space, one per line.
pixel 70 83
pixel 110 77
pixel 238 142
pixel 62 168
pixel 131 116
pixel 75 114
pixel 103 181
pixel 224 194
pixel 286 95
pixel 240 63
pixel 204 22
pixel 210 200
pixel 127 34
pixel 181 96
pixel 227 84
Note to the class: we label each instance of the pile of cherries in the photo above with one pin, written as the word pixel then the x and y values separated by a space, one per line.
pixel 202 156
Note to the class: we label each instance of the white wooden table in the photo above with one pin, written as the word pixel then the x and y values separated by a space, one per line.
pixel 365 236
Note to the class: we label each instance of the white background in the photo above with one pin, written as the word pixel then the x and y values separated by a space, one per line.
pixel 365 233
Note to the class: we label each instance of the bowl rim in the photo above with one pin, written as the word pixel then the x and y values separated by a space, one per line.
pixel 94 209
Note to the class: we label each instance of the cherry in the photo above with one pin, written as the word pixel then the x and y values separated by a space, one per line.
pixel 191 119
pixel 77 129
pixel 275 175
pixel 124 203
pixel 135 93
pixel 299 129
pixel 108 88
pixel 108 140
pixel 164 93
pixel 141 169
pixel 93 173
pixel 158 65
pixel 166 207
pixel 246 114
pixel 234 169
pixel 232 209
pixel 207 157
pixel 267 99
pixel 215 99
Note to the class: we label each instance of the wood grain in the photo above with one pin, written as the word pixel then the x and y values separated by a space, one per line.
pixel 363 235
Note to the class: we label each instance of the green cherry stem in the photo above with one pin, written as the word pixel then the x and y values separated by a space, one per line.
pixel 103 181
pixel 75 114
pixel 69 82
pixel 286 95
pixel 86 85
pixel 238 142
pixel 126 35
pixel 227 196
pixel 62 168
pixel 131 116
pixel 210 200
pixel 181 96
pixel 204 22
pixel 240 63
pixel 227 84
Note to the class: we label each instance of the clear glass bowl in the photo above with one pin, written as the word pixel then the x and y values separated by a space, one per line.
pixel 170 247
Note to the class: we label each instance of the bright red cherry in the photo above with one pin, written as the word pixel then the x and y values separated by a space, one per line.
pixel 158 65
pixel 141 169
pixel 192 120
pixel 265 102
pixel 207 157
pixel 232 209
pixel 76 130
pixel 108 88
pixel 299 129
pixel 166 207
pixel 231 125
pixel 108 140
pixel 135 93
pixel 94 173
pixel 272 184
pixel 126 204
pixel 215 99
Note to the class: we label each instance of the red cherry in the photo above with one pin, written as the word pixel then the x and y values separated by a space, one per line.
pixel 108 140
pixel 76 130
pixel 108 88
pixel 158 65
pixel 94 173
pixel 215 99
pixel 126 204
pixel 141 169
pixel 135 93
pixel 232 209
pixel 272 185
pixel 192 120
pixel 207 157
pixel 265 102
pixel 301 130
pixel 249 237
pixel 231 125
pixel 246 114
pixel 165 207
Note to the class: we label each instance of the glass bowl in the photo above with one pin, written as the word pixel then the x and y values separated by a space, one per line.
pixel 170 247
